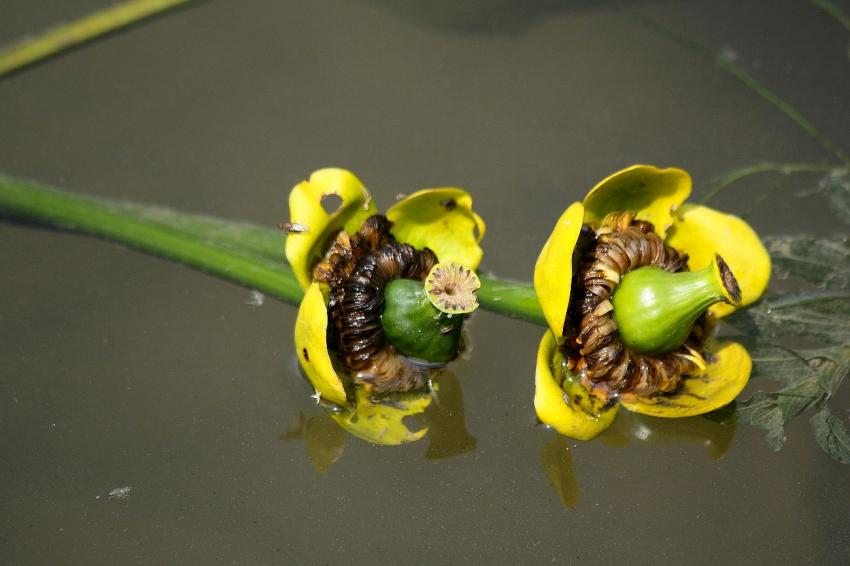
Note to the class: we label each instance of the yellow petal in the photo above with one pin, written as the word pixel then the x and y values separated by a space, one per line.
pixel 573 413
pixel 725 377
pixel 382 423
pixel 307 246
pixel 311 344
pixel 651 192
pixel 443 220
pixel 702 232
pixel 553 271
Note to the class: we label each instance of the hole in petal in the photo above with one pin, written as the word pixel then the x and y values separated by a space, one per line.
pixel 331 203
pixel 306 355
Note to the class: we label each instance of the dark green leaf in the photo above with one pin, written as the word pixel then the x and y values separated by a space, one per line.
pixel 776 438
pixel 824 262
pixel 836 189
pixel 801 340
pixel 768 410
pixel 771 411
pixel 831 435
pixel 827 366
pixel 820 315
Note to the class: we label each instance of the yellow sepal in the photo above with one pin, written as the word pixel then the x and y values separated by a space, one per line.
pixel 574 413
pixel 651 192
pixel 382 423
pixel 726 375
pixel 702 232
pixel 304 248
pixel 442 220
pixel 553 271
pixel 311 345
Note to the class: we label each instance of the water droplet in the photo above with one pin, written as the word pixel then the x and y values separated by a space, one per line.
pixel 728 54
pixel 256 299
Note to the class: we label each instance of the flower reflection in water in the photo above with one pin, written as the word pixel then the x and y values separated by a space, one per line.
pixel 714 431
pixel 396 419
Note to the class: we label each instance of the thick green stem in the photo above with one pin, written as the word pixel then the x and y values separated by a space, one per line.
pixel 510 298
pixel 122 223
pixel 246 254
pixel 66 36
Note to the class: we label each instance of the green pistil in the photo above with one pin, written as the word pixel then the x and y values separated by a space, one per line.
pixel 415 327
pixel 655 309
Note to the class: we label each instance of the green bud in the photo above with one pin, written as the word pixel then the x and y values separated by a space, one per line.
pixel 655 309
pixel 415 326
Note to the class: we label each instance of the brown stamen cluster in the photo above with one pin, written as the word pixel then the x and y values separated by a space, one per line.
pixel 594 348
pixel 357 269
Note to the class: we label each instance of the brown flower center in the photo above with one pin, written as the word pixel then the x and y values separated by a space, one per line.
pixel 593 347
pixel 357 269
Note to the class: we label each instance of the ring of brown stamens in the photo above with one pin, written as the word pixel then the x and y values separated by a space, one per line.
pixel 357 269
pixel 593 347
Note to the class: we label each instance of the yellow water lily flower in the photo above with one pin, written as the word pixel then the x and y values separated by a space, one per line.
pixel 345 259
pixel 631 282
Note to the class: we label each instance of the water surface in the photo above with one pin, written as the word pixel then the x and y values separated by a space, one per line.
pixel 151 414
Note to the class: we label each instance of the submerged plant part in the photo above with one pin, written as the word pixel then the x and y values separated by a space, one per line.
pixel 631 285
pixel 366 325
pixel 401 418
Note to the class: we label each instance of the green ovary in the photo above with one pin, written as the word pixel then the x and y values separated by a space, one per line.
pixel 655 309
pixel 415 327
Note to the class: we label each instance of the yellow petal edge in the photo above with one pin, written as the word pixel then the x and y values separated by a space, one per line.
pixel 304 249
pixel 651 192
pixel 441 219
pixel 553 271
pixel 702 232
pixel 311 327
pixel 550 401
pixel 382 423
pixel 725 377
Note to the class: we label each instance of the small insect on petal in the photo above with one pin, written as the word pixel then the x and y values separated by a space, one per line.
pixel 293 227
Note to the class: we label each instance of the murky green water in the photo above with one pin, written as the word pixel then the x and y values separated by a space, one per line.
pixel 151 414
